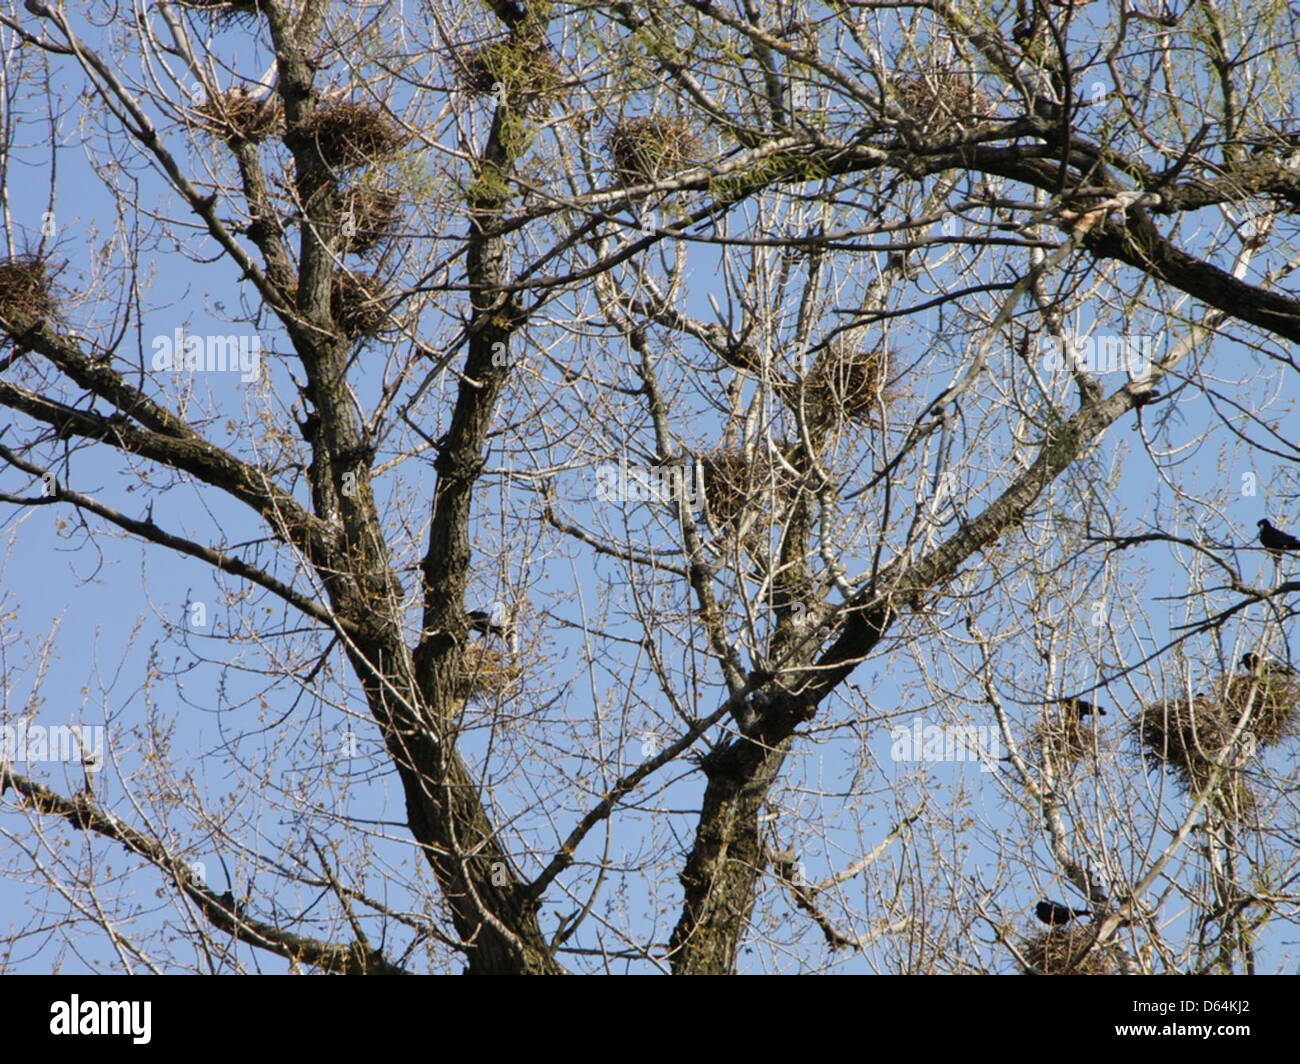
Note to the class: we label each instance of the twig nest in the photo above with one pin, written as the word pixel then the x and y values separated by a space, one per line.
pixel 226 10
pixel 734 481
pixel 940 100
pixel 517 66
pixel 1273 698
pixel 1050 953
pixel 349 134
pixel 366 218
pixel 649 148
pixel 26 289
pixel 237 115
pixel 490 671
pixel 358 304
pixel 845 383
pixel 1193 737
pixel 1065 737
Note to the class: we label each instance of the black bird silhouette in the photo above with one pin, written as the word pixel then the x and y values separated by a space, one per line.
pixel 1079 708
pixel 1252 662
pixel 481 621
pixel 495 623
pixel 235 908
pixel 1275 539
pixel 1054 914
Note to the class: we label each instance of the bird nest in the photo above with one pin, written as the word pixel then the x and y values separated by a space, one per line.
pixel 1190 735
pixel 349 134
pixel 238 116
pixel 26 288
pixel 520 67
pixel 1193 737
pixel 358 304
pixel 366 218
pixel 226 10
pixel 1273 699
pixel 646 149
pixel 490 671
pixel 846 383
pixel 1065 737
pixel 734 481
pixel 940 100
pixel 1050 953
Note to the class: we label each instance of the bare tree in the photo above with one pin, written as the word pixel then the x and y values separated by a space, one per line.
pixel 656 423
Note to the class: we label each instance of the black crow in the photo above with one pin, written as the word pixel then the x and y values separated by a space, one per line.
pixel 495 623
pixel 481 621
pixel 1054 914
pixel 1079 708
pixel 235 908
pixel 1253 663
pixel 1275 539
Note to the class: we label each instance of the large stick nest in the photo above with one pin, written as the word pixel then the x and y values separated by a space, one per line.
pixel 1191 737
pixel 226 10
pixel 649 148
pixel 846 383
pixel 238 116
pixel 1273 699
pixel 490 671
pixel 522 67
pixel 734 481
pixel 26 288
pixel 940 100
pixel 359 304
pixel 366 218
pixel 1065 736
pixel 349 134
pixel 1049 953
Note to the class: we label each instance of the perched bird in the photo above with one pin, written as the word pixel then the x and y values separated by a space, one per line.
pixel 495 623
pixel 1253 663
pixel 481 621
pixel 1054 914
pixel 1275 539
pixel 235 908
pixel 1077 707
